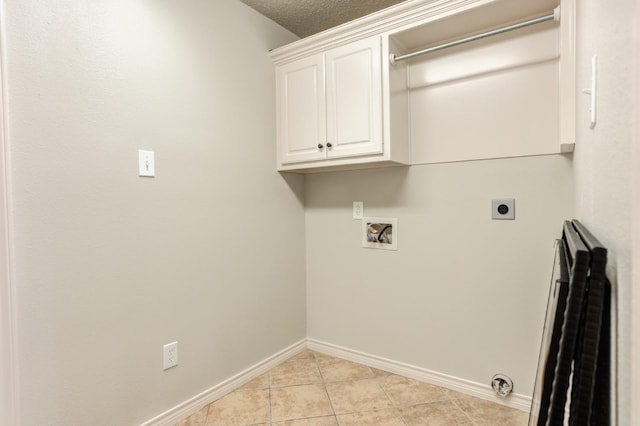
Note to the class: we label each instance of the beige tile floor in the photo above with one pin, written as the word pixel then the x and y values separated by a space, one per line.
pixel 316 390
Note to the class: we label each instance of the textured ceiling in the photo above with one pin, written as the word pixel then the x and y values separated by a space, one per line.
pixel 307 17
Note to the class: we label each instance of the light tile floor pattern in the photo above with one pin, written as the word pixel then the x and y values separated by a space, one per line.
pixel 317 390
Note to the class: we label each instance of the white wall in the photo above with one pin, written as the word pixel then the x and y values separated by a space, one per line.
pixel 504 87
pixel 463 295
pixel 7 391
pixel 604 162
pixel 634 415
pixel 110 266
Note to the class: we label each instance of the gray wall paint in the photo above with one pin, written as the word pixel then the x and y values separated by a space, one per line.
pixel 7 390
pixel 463 295
pixel 110 266
pixel 603 160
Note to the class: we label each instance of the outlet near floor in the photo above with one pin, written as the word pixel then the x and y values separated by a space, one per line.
pixel 170 355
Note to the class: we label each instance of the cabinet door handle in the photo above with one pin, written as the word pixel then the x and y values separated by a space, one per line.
pixel 320 146
pixel 329 145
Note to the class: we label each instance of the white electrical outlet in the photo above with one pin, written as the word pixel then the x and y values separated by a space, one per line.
pixel 503 209
pixel 170 355
pixel 358 209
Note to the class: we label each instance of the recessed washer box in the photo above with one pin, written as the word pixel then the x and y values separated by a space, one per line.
pixel 503 209
pixel 380 233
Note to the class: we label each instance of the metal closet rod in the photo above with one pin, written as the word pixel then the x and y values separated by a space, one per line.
pixel 555 16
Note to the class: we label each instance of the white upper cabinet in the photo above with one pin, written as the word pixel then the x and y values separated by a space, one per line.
pixel 354 99
pixel 428 82
pixel 302 110
pixel 329 107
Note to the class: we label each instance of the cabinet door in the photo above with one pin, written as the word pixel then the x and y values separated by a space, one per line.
pixel 354 99
pixel 301 110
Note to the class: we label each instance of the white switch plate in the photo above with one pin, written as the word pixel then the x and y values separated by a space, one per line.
pixel 146 163
pixel 358 209
pixel 592 91
pixel 593 111
pixel 169 355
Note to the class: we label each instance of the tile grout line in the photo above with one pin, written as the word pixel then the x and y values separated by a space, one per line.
pixel 326 381
pixel 373 377
pixel 206 417
pixel 324 386
pixel 464 412
pixel 393 405
pixel 270 403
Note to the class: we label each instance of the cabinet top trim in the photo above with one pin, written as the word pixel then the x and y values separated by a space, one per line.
pixel 402 15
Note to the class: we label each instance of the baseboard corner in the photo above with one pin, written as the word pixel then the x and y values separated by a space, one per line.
pixel 196 403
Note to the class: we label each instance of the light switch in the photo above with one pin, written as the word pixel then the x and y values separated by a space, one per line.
pixel 593 91
pixel 146 163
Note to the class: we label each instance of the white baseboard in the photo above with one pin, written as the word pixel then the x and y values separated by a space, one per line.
pixel 193 405
pixel 518 401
